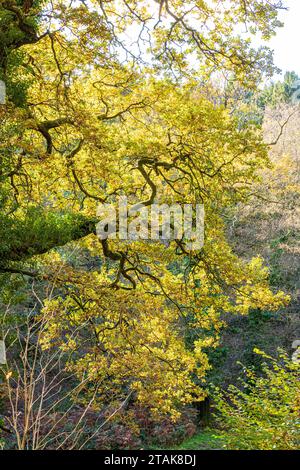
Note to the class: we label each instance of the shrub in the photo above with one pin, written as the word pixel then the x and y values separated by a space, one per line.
pixel 265 413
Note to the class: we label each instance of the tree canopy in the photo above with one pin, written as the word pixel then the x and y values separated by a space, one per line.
pixel 109 98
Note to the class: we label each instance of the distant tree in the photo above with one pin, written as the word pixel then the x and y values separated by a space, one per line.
pixel 278 92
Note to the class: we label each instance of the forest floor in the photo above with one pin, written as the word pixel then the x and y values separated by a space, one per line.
pixel 206 439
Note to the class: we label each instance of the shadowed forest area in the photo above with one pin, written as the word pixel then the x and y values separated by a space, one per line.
pixel 150 342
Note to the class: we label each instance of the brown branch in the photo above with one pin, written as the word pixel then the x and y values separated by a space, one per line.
pixel 45 126
pixel 282 126
pixel 18 271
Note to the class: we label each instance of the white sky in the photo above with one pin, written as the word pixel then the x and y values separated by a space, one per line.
pixel 287 41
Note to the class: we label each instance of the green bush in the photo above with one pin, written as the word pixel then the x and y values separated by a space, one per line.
pixel 264 413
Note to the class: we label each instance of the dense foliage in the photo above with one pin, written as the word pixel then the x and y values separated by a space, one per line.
pixel 110 98
pixel 265 413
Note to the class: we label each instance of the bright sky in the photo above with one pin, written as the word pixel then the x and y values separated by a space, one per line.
pixel 287 40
